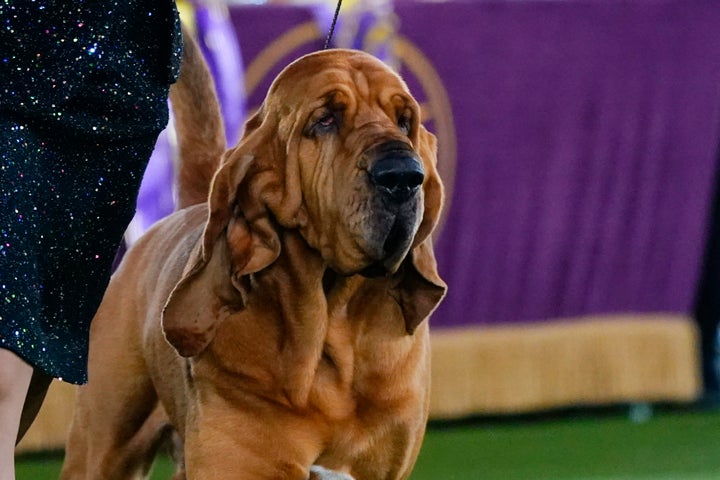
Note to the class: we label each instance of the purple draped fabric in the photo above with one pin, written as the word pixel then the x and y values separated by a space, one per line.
pixel 221 47
pixel 587 134
pixel 156 196
pixel 257 26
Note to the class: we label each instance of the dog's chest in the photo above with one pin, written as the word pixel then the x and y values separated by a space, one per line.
pixel 369 372
pixel 351 363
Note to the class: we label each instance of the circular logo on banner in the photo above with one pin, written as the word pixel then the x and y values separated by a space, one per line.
pixel 414 66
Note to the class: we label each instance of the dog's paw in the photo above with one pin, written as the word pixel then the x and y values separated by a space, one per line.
pixel 319 473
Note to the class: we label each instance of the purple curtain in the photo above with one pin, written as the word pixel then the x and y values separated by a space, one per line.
pixel 586 133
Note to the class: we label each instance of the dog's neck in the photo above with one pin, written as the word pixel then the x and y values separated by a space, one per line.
pixel 296 280
pixel 318 310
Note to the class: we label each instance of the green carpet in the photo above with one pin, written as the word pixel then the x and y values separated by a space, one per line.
pixel 669 446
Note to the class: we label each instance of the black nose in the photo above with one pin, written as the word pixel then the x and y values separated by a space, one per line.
pixel 397 175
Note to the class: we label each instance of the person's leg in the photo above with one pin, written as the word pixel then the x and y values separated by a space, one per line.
pixel 15 375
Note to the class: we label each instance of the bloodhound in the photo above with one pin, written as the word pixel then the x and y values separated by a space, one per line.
pixel 276 325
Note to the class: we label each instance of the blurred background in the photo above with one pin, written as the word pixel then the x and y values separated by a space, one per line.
pixel 578 143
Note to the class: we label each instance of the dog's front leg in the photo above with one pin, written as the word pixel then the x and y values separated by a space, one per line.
pixel 319 473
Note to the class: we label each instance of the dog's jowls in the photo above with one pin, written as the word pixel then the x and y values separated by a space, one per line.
pixel 275 326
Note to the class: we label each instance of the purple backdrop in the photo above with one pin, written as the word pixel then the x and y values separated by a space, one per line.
pixel 586 143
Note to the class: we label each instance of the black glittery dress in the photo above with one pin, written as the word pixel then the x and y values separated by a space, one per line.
pixel 83 96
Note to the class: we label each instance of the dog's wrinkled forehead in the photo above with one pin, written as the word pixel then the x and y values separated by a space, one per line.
pixel 319 71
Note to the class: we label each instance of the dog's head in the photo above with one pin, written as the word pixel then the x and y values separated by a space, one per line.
pixel 336 152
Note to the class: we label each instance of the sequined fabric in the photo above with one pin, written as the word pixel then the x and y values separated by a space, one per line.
pixel 83 96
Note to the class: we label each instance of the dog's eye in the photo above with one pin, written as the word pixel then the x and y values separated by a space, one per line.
pixel 325 123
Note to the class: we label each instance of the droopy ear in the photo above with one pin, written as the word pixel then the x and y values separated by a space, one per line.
pixel 202 299
pixel 419 288
pixel 432 186
pixel 239 239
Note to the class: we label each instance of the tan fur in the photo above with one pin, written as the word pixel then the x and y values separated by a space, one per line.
pixel 198 126
pixel 244 324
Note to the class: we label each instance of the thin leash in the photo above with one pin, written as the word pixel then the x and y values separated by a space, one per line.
pixel 332 26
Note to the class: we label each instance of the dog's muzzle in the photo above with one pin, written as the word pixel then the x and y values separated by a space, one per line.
pixel 395 176
pixel 396 173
